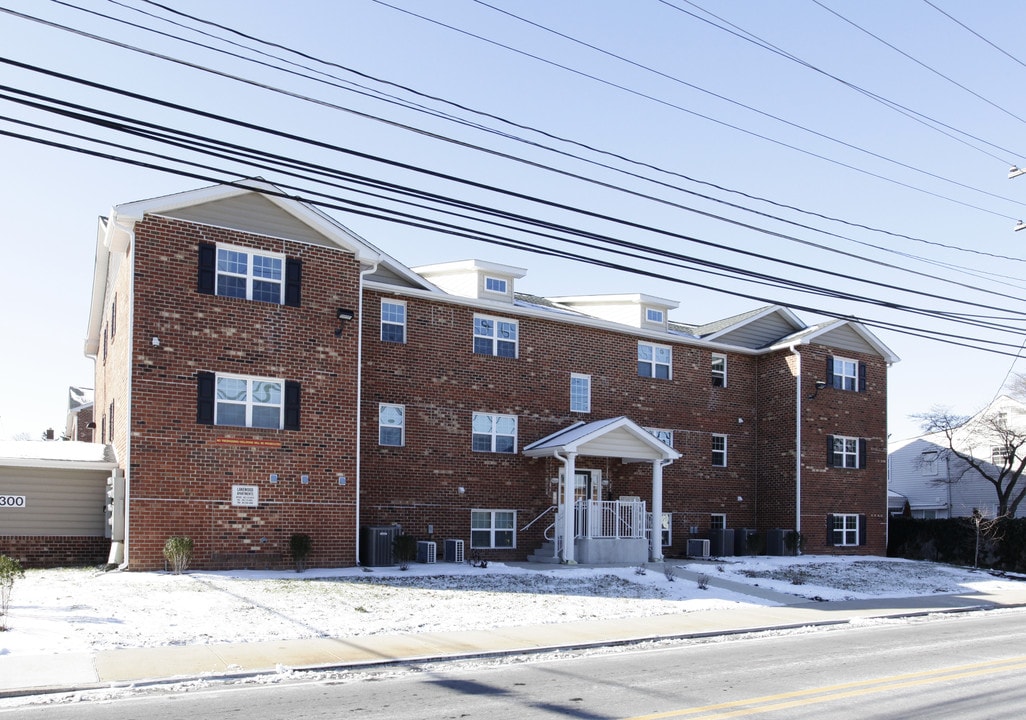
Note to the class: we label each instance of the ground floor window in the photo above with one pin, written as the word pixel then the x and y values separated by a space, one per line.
pixel 493 529
pixel 845 529
pixel 718 521
pixel 666 528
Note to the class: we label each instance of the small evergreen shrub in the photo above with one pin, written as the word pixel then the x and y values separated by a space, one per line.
pixel 178 553
pixel 10 570
pixel 300 545
pixel 405 547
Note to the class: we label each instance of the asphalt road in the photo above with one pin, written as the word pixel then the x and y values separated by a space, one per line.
pixel 962 666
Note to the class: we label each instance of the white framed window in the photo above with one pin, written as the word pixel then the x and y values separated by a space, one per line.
pixel 928 462
pixel 845 374
pixel 494 433
pixel 495 336
pixel 666 528
pixel 654 315
pixel 718 521
pixel 391 424
pixel 393 321
pixel 663 435
pixel 999 455
pixel 846 529
pixel 493 529
pixel 495 285
pixel 244 273
pixel 580 393
pixel 719 370
pixel 846 451
pixel 719 450
pixel 654 361
pixel 248 401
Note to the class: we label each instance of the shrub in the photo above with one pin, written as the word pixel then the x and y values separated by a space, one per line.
pixel 178 553
pixel 10 570
pixel 300 545
pixel 405 547
pixel 703 581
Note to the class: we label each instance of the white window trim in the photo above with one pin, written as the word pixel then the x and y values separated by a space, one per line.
pixel 249 403
pixel 664 435
pixel 401 425
pixel 494 338
pixel 714 517
pixel 580 378
pixel 845 453
pixel 721 374
pixel 250 254
pixel 492 530
pixel 654 363
pixel 659 315
pixel 928 462
pixel 384 322
pixel 845 530
pixel 716 436
pixel 494 434
pixel 842 384
pixel 499 281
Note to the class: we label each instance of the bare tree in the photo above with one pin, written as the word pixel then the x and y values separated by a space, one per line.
pixel 1004 446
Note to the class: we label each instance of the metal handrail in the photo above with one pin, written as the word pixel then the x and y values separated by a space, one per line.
pixel 543 514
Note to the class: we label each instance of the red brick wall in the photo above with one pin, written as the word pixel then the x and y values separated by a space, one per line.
pixel 182 473
pixel 442 383
pixel 831 412
pixel 55 550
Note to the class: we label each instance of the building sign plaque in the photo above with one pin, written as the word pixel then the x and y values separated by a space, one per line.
pixel 12 501
pixel 245 495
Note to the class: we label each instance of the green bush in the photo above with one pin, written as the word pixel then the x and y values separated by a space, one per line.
pixel 178 553
pixel 405 547
pixel 300 545
pixel 10 570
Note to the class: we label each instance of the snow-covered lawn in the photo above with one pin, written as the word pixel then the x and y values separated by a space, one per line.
pixel 86 609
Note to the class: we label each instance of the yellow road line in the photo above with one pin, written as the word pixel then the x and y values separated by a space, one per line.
pixel 830 693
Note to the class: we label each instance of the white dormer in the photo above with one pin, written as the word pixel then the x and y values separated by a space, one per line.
pixel 637 310
pixel 473 279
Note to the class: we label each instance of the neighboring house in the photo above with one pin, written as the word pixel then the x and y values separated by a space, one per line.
pixel 52 499
pixel 79 425
pixel 263 371
pixel 935 483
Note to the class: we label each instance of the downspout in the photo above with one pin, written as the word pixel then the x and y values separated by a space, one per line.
pixel 656 540
pixel 797 441
pixel 128 390
pixel 359 402
pixel 567 531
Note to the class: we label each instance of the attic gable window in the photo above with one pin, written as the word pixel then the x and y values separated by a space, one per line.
pixel 238 272
pixel 495 285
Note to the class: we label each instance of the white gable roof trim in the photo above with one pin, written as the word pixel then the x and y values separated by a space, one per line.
pixel 577 437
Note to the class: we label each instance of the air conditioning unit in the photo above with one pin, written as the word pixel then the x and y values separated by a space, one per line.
pixel 454 551
pixel 376 544
pixel 698 548
pixel 427 551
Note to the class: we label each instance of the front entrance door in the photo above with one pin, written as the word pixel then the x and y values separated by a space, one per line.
pixel 587 484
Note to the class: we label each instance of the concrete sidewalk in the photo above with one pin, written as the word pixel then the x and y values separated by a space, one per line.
pixel 28 675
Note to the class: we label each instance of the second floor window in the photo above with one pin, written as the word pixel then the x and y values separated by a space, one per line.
pixel 248 274
pixel 495 336
pixel 719 450
pixel 245 401
pixel 494 433
pixel 846 452
pixel 654 361
pixel 391 424
pixel 393 321
pixel 580 393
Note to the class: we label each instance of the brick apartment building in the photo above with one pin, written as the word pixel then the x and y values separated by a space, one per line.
pixel 262 371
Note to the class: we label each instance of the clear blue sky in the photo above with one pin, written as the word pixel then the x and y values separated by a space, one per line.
pixel 808 126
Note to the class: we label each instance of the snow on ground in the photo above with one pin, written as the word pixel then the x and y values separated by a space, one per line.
pixel 84 609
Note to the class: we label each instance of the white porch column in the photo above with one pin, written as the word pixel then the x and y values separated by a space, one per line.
pixel 567 531
pixel 656 541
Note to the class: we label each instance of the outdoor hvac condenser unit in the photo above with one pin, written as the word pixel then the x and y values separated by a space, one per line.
pixel 376 543
pixel 454 551
pixel 427 551
pixel 698 548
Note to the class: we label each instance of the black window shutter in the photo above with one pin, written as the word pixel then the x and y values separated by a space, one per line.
pixel 830 530
pixel 830 451
pixel 862 377
pixel 862 530
pixel 292 395
pixel 205 398
pixel 207 278
pixel 830 372
pixel 293 281
pixel 863 443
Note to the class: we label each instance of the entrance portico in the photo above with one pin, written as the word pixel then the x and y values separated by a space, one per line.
pixel 618 437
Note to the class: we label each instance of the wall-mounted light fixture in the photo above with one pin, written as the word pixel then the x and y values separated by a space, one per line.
pixel 820 384
pixel 343 315
pixel 461 489
pixel 155 341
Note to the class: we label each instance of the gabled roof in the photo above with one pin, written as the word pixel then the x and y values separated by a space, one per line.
pixel 614 437
pixel 840 333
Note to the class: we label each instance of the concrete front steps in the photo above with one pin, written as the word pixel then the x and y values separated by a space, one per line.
pixel 544 554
